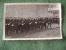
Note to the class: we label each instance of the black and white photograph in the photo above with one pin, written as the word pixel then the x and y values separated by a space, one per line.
pixel 32 21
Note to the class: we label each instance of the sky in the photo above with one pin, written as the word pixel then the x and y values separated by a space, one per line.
pixel 25 11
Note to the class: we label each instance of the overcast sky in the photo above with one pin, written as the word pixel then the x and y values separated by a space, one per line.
pixel 25 11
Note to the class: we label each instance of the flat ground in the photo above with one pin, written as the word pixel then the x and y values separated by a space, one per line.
pixel 53 32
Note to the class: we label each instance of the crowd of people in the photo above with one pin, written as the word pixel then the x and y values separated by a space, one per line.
pixel 20 25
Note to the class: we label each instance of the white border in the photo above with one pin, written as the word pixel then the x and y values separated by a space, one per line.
pixel 50 38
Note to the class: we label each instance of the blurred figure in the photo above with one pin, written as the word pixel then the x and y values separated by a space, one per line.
pixel 13 26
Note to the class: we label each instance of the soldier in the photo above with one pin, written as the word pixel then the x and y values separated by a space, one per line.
pixel 46 20
pixel 6 26
pixel 40 23
pixel 9 26
pixel 36 23
pixel 33 24
pixel 18 24
pixel 57 21
pixel 22 25
pixel 16 28
pixel 12 27
pixel 27 24
pixel 49 22
pixel 44 24
pixel 30 24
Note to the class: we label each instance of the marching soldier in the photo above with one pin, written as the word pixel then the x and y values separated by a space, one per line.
pixel 22 26
pixel 12 27
pixel 42 23
pixel 16 26
pixel 49 22
pixel 6 26
pixel 30 24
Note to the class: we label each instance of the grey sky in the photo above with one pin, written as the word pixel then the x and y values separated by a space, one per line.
pixel 25 11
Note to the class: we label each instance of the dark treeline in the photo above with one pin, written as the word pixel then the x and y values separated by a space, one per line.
pixel 20 25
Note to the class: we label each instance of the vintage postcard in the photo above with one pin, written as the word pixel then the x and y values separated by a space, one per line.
pixel 32 21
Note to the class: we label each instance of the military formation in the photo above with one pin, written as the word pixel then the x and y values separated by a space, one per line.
pixel 21 25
